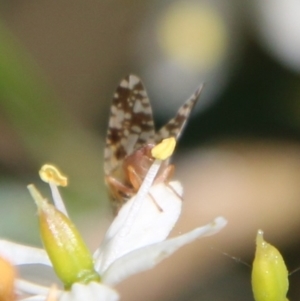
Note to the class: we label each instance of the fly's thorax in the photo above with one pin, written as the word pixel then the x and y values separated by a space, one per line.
pixel 140 161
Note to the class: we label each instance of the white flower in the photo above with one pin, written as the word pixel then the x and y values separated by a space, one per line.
pixel 135 242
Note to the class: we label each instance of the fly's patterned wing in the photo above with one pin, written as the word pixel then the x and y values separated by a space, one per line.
pixel 130 124
pixel 131 136
pixel 176 125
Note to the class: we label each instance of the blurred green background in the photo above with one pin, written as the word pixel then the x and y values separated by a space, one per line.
pixel 59 65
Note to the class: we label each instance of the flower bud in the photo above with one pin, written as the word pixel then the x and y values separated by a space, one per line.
pixel 66 249
pixel 7 278
pixel 269 272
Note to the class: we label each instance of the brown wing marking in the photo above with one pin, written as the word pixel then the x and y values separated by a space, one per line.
pixel 175 126
pixel 130 123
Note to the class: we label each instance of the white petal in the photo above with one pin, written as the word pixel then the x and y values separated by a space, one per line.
pixel 93 291
pixel 147 257
pixel 156 218
pixel 35 298
pixel 20 254
pixel 27 287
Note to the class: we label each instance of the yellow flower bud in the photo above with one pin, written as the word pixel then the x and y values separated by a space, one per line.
pixel 66 249
pixel 7 279
pixel 269 272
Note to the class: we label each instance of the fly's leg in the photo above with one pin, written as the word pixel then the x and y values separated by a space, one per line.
pixel 120 193
pixel 166 175
pixel 136 182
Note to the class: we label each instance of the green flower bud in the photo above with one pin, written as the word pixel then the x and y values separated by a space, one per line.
pixel 269 273
pixel 66 249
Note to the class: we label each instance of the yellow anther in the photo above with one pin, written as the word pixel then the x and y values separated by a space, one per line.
pixel 50 173
pixel 165 149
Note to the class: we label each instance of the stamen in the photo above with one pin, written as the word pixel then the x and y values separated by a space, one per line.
pixel 50 174
pixel 39 200
pixel 165 149
pixel 57 199
pixel 140 197
pixel 161 151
